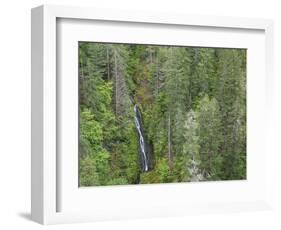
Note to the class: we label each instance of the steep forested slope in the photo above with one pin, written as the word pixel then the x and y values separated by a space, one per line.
pixel 192 103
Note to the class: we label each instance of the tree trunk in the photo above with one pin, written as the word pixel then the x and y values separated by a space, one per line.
pixel 157 77
pixel 169 141
pixel 116 81
pixel 151 58
pixel 81 68
pixel 108 64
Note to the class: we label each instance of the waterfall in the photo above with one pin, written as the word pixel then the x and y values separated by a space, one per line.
pixel 142 142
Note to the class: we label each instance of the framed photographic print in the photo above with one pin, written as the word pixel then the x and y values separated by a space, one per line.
pixel 137 114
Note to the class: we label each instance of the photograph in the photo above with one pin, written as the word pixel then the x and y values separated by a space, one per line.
pixel 151 114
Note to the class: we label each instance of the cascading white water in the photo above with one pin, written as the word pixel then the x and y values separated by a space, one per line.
pixel 141 139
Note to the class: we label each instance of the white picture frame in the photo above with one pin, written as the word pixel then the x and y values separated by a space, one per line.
pixel 54 200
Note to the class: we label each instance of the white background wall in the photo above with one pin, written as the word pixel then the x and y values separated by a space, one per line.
pixel 15 113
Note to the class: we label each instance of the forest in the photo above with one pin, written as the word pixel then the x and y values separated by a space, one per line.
pixel 160 114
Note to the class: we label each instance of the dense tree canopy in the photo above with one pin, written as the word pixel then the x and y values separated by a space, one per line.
pixel 193 109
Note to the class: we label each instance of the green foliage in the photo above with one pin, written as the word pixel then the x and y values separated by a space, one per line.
pixel 91 130
pixel 87 171
pixel 193 105
pixel 162 170
pixel 210 136
pixel 180 170
pixel 102 166
pixel 94 158
pixel 118 181
pixel 95 169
